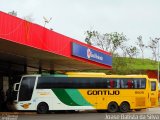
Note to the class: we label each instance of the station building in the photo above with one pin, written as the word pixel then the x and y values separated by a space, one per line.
pixel 27 47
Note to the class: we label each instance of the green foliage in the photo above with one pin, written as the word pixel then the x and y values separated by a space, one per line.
pixel 153 45
pixel 109 41
pixel 141 45
pixel 132 51
pixel 116 43
pixel 124 65
pixel 14 13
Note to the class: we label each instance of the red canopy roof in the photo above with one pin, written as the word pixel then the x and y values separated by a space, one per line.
pixel 34 45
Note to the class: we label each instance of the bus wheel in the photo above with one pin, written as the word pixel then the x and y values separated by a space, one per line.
pixel 42 108
pixel 124 107
pixel 112 107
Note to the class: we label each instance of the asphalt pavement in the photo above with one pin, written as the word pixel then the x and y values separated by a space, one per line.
pixel 148 114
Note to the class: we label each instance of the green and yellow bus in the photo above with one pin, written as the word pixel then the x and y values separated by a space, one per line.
pixel 86 91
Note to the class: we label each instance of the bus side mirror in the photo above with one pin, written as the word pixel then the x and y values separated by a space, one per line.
pixel 16 86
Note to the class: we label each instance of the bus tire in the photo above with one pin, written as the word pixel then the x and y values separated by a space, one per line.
pixel 124 107
pixel 42 108
pixel 112 107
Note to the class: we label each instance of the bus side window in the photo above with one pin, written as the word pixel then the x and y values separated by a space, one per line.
pixel 108 83
pixel 103 83
pixel 111 83
pixel 143 83
pixel 153 86
pixel 135 84
pixel 139 83
pixel 122 84
pixel 92 84
pixel 117 83
pixel 129 84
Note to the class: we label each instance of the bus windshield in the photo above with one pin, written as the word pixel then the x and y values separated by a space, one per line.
pixel 26 88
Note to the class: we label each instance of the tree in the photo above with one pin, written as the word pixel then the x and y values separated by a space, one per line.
pixel 102 41
pixel 89 35
pixel 46 21
pixel 14 13
pixel 153 46
pixel 117 40
pixel 123 48
pixel 132 51
pixel 141 45
pixel 108 41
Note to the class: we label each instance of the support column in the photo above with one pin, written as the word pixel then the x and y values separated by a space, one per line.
pixel 40 70
pixel 1 82
pixel 25 69
pixel 52 71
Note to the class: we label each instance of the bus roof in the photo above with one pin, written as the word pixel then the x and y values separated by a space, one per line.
pixel 92 74
pixel 86 74
pixel 153 79
pixel 126 76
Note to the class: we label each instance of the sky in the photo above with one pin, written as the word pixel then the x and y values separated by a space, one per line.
pixel 74 17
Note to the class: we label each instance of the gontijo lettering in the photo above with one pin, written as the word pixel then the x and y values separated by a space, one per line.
pixel 103 92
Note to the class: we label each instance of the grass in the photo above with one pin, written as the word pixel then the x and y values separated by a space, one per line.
pixel 124 65
pixel 141 64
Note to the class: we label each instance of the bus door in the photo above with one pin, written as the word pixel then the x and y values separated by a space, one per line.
pixel 153 93
pixel 25 94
